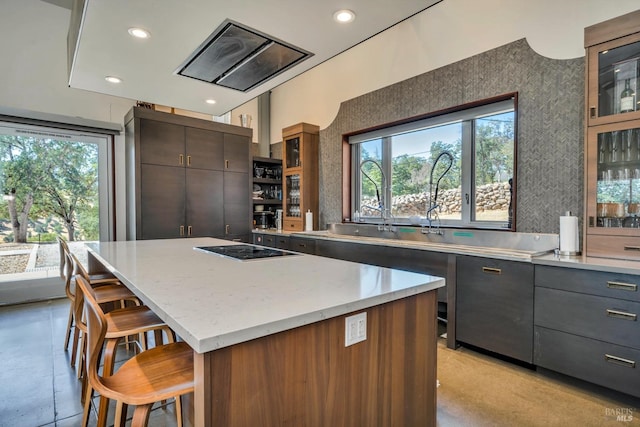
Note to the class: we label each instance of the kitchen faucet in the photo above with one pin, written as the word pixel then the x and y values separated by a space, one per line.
pixel 382 202
pixel 432 214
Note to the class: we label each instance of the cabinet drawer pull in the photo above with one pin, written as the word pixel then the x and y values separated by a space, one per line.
pixel 181 230
pixel 492 270
pixel 181 159
pixel 632 248
pixel 623 286
pixel 620 361
pixel 621 314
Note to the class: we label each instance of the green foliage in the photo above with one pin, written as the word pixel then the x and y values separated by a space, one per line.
pixel 493 150
pixel 60 175
pixel 88 221
pixel 42 238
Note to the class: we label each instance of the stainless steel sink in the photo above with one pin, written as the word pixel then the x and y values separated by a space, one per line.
pixel 466 241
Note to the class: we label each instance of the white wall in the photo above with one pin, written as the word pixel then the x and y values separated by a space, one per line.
pixel 447 32
pixel 33 71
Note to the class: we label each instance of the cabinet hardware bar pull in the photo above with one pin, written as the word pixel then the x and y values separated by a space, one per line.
pixel 492 270
pixel 226 229
pixel 226 164
pixel 621 314
pixel 188 160
pixel 632 248
pixel 189 231
pixel 182 230
pixel 620 361
pixel 624 286
pixel 181 159
pixel 592 112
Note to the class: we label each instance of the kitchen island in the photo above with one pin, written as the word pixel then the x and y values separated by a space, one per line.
pixel 269 334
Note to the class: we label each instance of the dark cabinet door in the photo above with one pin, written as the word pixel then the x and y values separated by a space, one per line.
pixel 162 202
pixel 204 203
pixel 236 153
pixel 237 215
pixel 494 307
pixel 161 143
pixel 204 149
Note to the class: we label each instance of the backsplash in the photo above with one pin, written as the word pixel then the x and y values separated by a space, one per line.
pixel 550 126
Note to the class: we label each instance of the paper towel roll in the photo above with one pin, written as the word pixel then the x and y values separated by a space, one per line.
pixel 569 235
pixel 308 221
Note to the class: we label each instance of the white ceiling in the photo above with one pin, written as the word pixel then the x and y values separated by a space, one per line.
pixel 147 67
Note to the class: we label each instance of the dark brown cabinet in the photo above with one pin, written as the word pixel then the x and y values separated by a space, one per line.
pixel 586 326
pixel 494 308
pixel 186 177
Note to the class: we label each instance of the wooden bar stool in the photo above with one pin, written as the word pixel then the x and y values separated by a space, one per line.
pixel 156 374
pixel 105 292
pixel 66 273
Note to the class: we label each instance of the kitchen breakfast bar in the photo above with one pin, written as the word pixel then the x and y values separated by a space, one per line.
pixel 268 333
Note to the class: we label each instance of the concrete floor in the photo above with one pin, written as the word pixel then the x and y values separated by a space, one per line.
pixel 38 387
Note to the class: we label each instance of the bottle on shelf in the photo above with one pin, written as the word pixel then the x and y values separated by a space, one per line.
pixel 627 98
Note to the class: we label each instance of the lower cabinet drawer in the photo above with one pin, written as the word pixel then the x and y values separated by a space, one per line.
pixel 625 247
pixel 598 362
pixel 607 319
pixel 301 244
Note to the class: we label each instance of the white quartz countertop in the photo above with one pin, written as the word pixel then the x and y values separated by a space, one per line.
pixel 213 301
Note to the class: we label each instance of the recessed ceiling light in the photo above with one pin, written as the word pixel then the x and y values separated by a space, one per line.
pixel 344 16
pixel 113 79
pixel 210 101
pixel 139 33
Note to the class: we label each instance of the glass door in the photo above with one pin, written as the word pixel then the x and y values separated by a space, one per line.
pixel 614 80
pixel 614 179
pixel 55 182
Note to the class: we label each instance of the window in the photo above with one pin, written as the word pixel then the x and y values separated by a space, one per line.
pixel 455 168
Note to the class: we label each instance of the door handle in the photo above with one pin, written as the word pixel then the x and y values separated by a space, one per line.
pixel 621 315
pixel 623 286
pixel 226 164
pixel 620 361
pixel 226 229
pixel 189 229
pixel 492 270
pixel 181 230
pixel 181 159
pixel 188 160
pixel 592 112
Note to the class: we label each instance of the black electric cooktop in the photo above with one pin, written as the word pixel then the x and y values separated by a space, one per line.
pixel 244 252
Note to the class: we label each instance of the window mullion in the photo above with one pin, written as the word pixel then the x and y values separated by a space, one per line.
pixel 466 179
pixel 387 166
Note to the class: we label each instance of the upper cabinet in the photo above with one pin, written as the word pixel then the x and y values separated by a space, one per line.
pixel 300 175
pixel 613 70
pixel 186 177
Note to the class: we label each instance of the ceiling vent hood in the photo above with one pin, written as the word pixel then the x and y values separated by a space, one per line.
pixel 239 57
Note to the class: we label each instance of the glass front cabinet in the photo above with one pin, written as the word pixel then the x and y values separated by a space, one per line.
pixel 300 176
pixel 613 190
pixel 613 73
pixel 612 150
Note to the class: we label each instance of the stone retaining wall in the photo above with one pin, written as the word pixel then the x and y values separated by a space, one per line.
pixel 489 197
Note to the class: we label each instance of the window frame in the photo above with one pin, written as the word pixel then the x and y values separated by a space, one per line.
pixel 464 114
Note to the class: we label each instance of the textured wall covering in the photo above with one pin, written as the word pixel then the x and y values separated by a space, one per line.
pixel 550 126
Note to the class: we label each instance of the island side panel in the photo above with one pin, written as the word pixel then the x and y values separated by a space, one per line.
pixel 307 377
